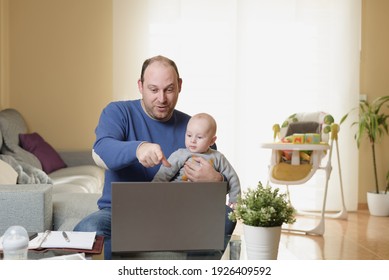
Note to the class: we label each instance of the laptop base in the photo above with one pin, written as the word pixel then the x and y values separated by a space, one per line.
pixel 168 255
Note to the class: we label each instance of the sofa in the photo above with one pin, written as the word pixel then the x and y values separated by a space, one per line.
pixel 41 188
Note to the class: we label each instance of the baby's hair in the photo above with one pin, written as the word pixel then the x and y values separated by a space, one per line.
pixel 210 119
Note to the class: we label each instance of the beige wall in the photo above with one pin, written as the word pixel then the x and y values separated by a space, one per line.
pixel 374 83
pixel 60 74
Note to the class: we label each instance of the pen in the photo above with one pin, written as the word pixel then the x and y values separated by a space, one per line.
pixel 65 236
pixel 43 238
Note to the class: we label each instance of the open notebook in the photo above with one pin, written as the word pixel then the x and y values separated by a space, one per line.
pixel 55 239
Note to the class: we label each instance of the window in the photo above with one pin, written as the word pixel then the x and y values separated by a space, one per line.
pixel 250 64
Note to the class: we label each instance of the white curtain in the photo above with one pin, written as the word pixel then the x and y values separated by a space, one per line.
pixel 251 63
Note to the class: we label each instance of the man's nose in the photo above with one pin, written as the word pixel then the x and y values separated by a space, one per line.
pixel 161 96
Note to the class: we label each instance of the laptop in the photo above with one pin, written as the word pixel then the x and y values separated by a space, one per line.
pixel 171 216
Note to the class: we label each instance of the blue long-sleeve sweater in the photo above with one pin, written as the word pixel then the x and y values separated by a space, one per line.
pixel 123 125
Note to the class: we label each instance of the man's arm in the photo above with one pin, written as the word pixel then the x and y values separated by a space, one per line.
pixel 111 148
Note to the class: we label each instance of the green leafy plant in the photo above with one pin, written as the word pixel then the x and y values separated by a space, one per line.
pixel 387 182
pixel 263 207
pixel 372 123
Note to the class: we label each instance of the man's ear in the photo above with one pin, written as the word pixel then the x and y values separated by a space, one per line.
pixel 179 84
pixel 140 86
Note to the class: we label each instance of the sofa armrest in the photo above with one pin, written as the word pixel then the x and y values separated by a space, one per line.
pixel 76 158
pixel 27 205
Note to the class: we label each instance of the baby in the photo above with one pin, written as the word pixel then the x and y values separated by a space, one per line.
pixel 200 136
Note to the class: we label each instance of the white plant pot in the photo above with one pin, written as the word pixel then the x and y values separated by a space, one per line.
pixel 378 203
pixel 262 242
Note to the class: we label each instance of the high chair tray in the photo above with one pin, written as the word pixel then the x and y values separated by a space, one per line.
pixel 290 146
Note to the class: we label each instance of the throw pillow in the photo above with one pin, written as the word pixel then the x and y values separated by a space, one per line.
pixel 47 155
pixel 8 175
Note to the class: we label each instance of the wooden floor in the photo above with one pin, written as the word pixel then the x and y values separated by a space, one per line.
pixel 360 237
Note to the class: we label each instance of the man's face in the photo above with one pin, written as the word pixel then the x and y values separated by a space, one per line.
pixel 159 90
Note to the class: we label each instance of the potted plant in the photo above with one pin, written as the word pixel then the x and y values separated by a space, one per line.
pixel 263 211
pixel 372 124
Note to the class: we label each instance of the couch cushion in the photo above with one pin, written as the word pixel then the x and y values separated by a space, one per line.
pixel 88 178
pixel 77 158
pixel 11 125
pixel 77 184
pixel 47 155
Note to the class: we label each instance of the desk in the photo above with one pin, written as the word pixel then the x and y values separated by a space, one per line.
pixel 38 255
pixel 97 252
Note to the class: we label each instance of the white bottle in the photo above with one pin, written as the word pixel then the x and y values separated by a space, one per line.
pixel 15 243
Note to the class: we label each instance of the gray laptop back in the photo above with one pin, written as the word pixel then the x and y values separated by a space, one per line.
pixel 152 217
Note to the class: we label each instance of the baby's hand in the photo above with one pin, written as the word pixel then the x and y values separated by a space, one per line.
pixel 232 205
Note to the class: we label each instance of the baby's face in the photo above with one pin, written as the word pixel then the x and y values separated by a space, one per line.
pixel 198 137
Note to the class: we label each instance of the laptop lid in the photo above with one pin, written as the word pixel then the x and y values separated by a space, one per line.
pixel 174 216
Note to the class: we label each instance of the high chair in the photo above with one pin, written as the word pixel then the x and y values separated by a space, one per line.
pixel 301 146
